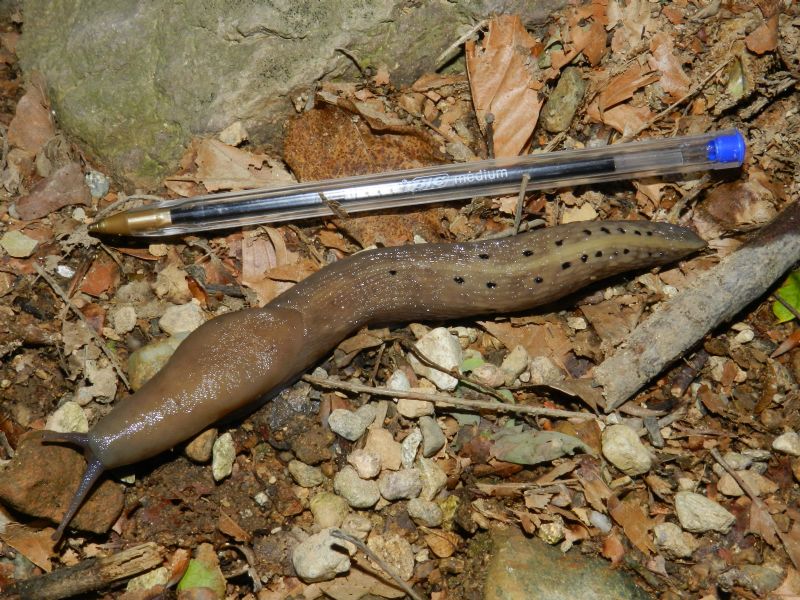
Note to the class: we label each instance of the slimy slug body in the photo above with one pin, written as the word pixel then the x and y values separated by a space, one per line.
pixel 232 361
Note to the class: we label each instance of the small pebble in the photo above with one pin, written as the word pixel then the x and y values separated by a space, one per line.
pixel 623 448
pixel 396 551
pixel 757 454
pixel 544 371
pixel 698 514
pixel 261 498
pixel 182 318
pixel 223 455
pixel 234 134
pixel 577 323
pixel 489 375
pixel 305 475
pixel 425 512
pixel 744 336
pixel 433 438
pixel 359 493
pixel 201 447
pixel 559 109
pixel 758 483
pixel 357 525
pixel 19 245
pixel 366 464
pixel 788 443
pixel 673 542
pixel 123 318
pixel 759 579
pixel 443 349
pixel 68 417
pixel 433 478
pixel 515 364
pixel 413 409
pixel 97 183
pixel 320 558
pixel 409 447
pixel 399 485
pixel 351 425
pixel 398 381
pixel 381 443
pixel 159 576
pixel 329 510
pixel 737 461
pixel 551 533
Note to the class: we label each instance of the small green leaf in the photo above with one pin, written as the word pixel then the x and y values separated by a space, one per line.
pixel 507 394
pixel 534 447
pixel 201 575
pixel 790 292
pixel 471 363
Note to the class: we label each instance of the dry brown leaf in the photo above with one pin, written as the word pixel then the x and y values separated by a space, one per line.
pixel 360 581
pixel 635 20
pixel 765 37
pixel 590 40
pixel 442 543
pixel 673 79
pixel 101 277
pixel 594 487
pixel 631 515
pixel 621 87
pixel 547 339
pixel 32 124
pixel 613 548
pixel 260 256
pixel 35 545
pixel 223 167
pixel 613 319
pixel 64 187
pixel 503 83
pixel 231 528
pixel 624 118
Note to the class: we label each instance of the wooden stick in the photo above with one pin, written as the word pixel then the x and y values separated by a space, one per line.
pixel 446 401
pixel 88 575
pixel 713 298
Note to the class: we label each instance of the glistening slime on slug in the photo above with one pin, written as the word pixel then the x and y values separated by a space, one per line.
pixel 232 361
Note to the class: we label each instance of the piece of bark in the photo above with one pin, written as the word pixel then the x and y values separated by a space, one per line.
pixel 88 575
pixel 715 297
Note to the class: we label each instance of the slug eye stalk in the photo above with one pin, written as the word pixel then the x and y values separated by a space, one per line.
pixel 94 469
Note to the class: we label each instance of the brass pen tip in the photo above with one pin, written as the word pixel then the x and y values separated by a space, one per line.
pixel 132 222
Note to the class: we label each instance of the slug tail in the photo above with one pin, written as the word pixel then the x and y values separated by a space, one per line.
pixel 94 469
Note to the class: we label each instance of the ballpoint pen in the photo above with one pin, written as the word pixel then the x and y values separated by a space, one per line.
pixel 715 150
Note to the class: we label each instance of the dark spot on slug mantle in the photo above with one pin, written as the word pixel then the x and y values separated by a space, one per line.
pixel 483 256
pixel 491 285
pixel 458 280
pixel 527 253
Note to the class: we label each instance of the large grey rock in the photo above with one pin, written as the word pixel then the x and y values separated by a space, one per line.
pixel 134 81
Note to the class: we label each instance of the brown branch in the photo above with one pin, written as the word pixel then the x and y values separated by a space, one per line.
pixel 87 576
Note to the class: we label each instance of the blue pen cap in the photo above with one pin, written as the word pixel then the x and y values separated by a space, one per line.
pixel 727 148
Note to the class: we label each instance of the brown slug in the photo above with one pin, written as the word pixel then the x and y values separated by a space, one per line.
pixel 232 361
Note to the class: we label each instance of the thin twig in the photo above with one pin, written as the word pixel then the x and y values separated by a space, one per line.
pixel 523 187
pixel 444 401
pixel 787 305
pixel 96 336
pixel 450 52
pixel 787 543
pixel 338 533
pixel 691 94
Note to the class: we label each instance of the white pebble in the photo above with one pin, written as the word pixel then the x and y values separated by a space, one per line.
pixel 399 485
pixel 425 512
pixel 788 443
pixel 366 464
pixel 68 417
pixel 623 448
pixel 443 349
pixel 758 483
pixel 673 541
pixel 223 455
pixel 433 438
pixel 409 446
pixel 319 558
pixel 182 318
pixel 544 371
pixel 351 425
pixel 359 493
pixel 698 514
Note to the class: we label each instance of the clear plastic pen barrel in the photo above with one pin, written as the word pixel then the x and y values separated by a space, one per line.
pixel 718 150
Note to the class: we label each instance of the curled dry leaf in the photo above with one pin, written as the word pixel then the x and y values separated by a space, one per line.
pixel 621 87
pixel 673 79
pixel 32 125
pixel 64 187
pixel 503 82
pixel 223 167
pixel 442 543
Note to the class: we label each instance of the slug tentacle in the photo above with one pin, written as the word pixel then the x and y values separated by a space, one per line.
pixel 230 362
pixel 94 468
